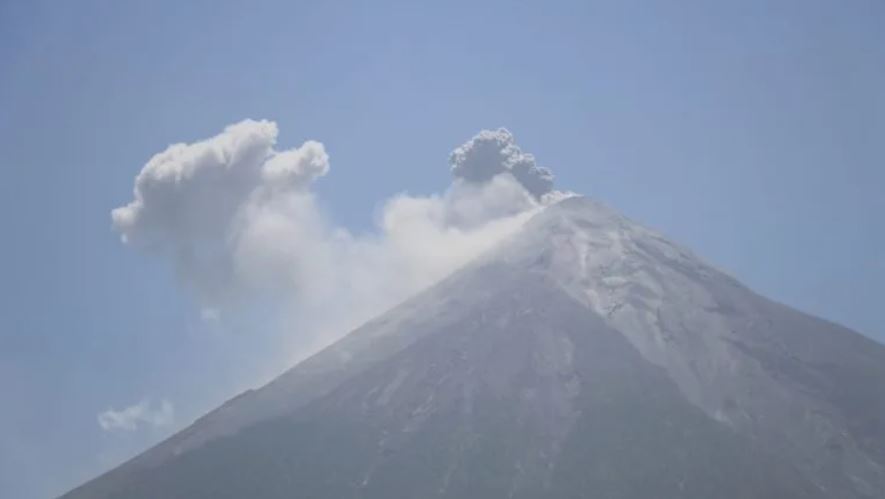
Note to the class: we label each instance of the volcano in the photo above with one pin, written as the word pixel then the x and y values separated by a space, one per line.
pixel 586 356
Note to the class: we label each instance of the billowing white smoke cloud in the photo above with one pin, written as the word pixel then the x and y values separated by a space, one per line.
pixel 239 220
pixel 136 416
pixel 189 198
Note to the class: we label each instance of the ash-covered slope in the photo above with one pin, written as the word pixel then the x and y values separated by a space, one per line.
pixel 587 357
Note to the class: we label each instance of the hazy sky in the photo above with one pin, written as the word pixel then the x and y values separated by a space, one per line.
pixel 752 132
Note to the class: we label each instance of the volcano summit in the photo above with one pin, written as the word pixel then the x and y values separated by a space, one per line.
pixel 585 356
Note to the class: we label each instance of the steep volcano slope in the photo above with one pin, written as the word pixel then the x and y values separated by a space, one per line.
pixel 588 357
pixel 526 393
pixel 813 391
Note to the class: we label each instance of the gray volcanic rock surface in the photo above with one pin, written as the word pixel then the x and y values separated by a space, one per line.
pixel 585 357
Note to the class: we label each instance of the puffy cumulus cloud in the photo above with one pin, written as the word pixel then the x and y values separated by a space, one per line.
pixel 239 221
pixel 491 153
pixel 137 416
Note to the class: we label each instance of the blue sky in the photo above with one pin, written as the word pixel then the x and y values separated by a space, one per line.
pixel 751 132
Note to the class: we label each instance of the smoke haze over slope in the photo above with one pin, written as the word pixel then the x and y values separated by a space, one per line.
pixel 239 222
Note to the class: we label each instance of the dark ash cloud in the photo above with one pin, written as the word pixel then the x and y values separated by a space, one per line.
pixel 493 152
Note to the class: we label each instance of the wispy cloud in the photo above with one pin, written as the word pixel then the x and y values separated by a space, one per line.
pixel 137 416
